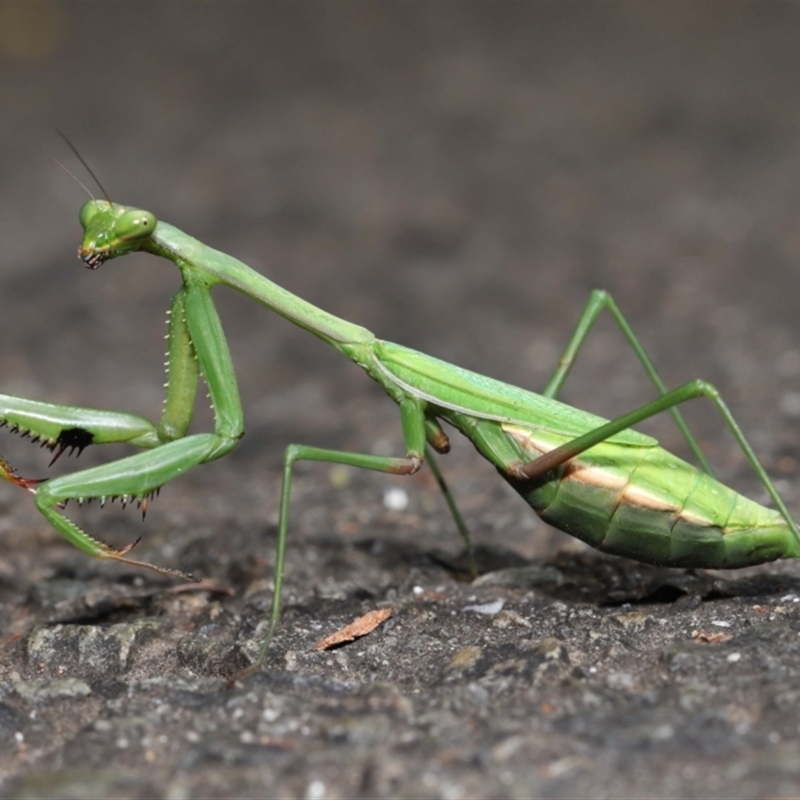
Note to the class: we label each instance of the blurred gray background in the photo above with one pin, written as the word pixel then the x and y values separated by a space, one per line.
pixel 455 177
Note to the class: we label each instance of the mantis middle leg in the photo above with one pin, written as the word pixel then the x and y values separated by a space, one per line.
pixel 417 432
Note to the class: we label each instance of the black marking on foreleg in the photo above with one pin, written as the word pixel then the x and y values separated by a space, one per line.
pixel 73 439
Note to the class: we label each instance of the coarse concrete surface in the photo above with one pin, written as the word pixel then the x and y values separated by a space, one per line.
pixel 457 178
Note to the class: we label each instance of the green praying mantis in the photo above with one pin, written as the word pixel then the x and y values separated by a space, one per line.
pixel 599 480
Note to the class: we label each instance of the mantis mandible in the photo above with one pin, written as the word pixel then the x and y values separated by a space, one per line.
pixel 598 480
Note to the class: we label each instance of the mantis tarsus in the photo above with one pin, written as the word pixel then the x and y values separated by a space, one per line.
pixel 599 480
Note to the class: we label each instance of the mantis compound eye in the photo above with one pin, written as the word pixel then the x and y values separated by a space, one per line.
pixel 134 225
pixel 88 210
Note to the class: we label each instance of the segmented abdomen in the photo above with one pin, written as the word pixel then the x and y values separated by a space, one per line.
pixel 647 504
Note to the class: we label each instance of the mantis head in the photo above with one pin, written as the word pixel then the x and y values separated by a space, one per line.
pixel 111 230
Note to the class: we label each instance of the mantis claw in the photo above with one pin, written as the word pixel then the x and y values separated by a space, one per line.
pixel 8 473
pixel 119 554
pixel 121 551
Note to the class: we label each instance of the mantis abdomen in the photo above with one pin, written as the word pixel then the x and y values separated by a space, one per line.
pixel 647 504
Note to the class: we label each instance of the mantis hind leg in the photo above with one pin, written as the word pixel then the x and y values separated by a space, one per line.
pixel 598 301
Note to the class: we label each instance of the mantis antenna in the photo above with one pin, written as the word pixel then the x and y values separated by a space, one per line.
pixel 85 165
pixel 75 178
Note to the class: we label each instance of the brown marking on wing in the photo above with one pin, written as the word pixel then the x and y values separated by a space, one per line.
pixel 589 475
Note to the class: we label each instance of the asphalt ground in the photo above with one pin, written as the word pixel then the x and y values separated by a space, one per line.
pixel 457 178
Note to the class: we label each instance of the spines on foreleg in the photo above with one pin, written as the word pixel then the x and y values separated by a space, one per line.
pixel 70 429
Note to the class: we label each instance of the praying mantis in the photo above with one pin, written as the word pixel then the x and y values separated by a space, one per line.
pixel 599 480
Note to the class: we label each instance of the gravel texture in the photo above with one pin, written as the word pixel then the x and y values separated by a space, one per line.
pixel 456 177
